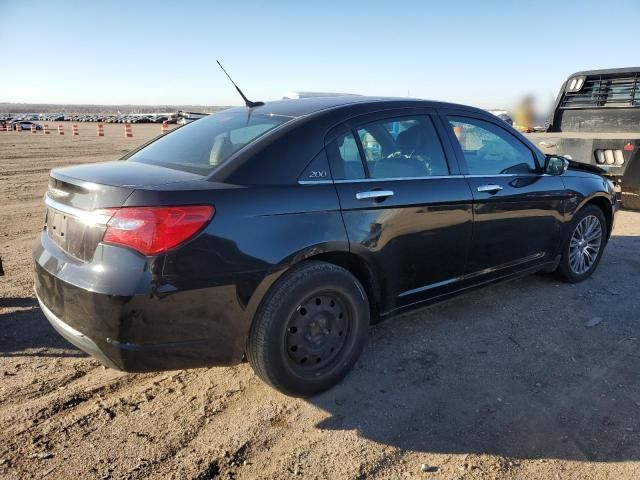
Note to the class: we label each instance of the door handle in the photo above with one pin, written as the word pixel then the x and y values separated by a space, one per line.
pixel 491 188
pixel 374 195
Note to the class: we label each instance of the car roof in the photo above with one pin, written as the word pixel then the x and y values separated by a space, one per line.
pixel 311 121
pixel 306 106
pixel 607 71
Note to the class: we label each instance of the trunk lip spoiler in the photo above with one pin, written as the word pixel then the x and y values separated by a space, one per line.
pixel 87 216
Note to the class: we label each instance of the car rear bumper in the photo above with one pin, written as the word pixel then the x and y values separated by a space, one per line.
pixel 123 316
pixel 75 337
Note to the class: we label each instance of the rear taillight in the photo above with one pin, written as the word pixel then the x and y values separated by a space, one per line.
pixel 154 230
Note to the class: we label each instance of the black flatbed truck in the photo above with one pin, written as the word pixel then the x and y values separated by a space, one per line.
pixel 596 120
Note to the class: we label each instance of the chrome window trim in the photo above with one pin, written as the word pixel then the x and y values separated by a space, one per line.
pixel 434 177
pixel 393 179
pixel 315 182
pixel 87 216
pixel 487 175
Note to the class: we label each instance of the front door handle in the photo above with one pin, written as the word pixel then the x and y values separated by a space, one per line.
pixel 491 188
pixel 374 195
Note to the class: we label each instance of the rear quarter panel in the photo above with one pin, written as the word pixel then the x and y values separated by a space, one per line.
pixel 256 234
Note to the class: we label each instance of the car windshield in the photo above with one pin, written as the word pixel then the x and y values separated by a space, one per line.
pixel 201 146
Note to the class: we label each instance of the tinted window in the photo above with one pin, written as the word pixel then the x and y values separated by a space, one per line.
pixel 407 147
pixel 204 144
pixel 490 150
pixel 348 157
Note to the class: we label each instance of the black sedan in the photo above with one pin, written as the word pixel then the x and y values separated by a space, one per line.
pixel 279 233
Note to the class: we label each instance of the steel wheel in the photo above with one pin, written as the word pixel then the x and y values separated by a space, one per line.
pixel 316 333
pixel 585 244
pixel 310 328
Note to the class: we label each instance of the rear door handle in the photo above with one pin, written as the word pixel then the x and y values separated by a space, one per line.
pixel 491 188
pixel 374 195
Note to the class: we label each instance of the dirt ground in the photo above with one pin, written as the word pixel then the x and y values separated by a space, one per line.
pixel 532 379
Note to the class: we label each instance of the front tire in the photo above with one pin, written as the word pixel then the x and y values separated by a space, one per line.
pixel 310 329
pixel 583 246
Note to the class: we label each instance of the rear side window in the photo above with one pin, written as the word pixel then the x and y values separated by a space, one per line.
pixel 348 156
pixel 202 145
pixel 407 147
pixel 490 150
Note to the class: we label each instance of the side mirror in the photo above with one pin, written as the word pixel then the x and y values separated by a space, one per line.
pixel 555 165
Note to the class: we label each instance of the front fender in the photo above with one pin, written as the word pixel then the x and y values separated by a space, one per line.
pixel 588 188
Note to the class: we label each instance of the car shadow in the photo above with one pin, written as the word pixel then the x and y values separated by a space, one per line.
pixel 18 302
pixel 27 333
pixel 532 368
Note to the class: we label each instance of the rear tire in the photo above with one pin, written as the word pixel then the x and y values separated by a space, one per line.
pixel 584 245
pixel 310 329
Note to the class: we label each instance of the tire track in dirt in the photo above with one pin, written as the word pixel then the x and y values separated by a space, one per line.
pixel 29 392
pixel 256 443
pixel 217 399
pixel 86 411
pixel 63 398
pixel 84 408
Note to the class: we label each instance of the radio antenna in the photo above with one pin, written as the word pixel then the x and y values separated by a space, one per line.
pixel 247 102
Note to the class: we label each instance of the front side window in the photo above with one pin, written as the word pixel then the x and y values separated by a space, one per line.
pixel 490 150
pixel 406 147
pixel 202 145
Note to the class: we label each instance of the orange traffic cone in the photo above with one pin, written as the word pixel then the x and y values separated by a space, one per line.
pixel 46 129
pixel 164 128
pixel 60 129
pixel 18 127
pixel 33 128
pixel 128 132
pixel 460 135
pixel 5 127
pixel 74 130
pixel 99 130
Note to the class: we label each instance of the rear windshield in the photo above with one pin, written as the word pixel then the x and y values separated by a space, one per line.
pixel 202 145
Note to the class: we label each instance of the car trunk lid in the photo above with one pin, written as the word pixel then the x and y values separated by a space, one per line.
pixel 78 196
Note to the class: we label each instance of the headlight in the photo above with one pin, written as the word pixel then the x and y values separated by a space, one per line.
pixel 575 84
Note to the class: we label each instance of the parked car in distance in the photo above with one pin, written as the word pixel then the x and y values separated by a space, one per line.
pixel 279 233
pixel 25 125
pixel 502 115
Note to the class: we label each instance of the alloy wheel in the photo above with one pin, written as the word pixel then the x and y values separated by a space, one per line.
pixel 585 244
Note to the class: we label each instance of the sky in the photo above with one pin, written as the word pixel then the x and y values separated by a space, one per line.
pixel 484 53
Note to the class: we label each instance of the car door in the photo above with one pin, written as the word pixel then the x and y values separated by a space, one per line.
pixel 406 208
pixel 517 208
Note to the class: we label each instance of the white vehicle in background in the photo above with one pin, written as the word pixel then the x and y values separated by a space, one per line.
pixel 298 95
pixel 188 117
pixel 502 115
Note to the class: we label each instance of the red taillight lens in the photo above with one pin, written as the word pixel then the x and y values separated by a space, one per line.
pixel 153 230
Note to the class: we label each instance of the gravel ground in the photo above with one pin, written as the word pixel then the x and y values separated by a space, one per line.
pixel 529 379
